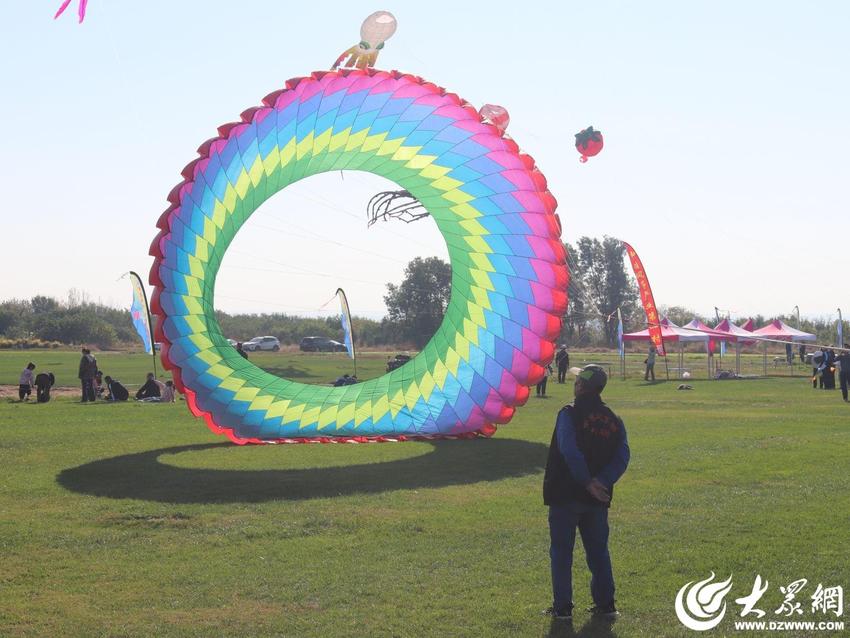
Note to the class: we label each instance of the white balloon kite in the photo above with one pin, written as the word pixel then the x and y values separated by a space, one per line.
pixel 376 29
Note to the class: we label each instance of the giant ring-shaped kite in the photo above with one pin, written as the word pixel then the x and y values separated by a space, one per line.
pixel 509 275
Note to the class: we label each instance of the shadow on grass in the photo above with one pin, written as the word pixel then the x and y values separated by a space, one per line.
pixel 143 476
pixel 592 628
pixel 289 372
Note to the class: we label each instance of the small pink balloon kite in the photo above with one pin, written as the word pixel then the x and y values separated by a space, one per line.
pixel 496 115
pixel 81 9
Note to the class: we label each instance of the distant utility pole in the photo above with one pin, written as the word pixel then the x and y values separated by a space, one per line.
pixel 797 308
pixel 717 314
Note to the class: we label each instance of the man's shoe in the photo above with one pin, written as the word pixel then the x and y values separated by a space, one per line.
pixel 608 612
pixel 558 615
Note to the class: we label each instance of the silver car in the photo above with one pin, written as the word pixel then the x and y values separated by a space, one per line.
pixel 262 343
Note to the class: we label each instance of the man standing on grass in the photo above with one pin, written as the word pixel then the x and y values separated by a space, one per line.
pixel 86 374
pixel 563 361
pixel 650 363
pixel 589 452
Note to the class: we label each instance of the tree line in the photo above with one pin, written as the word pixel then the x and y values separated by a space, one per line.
pixel 45 321
pixel 599 285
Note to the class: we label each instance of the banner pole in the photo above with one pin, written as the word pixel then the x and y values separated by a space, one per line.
pixel 765 359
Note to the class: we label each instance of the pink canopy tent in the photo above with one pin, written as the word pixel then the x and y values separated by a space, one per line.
pixel 780 331
pixel 736 334
pixel 713 334
pixel 670 332
pixel 739 335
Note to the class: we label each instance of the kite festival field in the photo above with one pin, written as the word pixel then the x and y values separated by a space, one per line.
pixel 134 520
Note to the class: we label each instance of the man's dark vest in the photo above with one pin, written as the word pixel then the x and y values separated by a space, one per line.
pixel 599 433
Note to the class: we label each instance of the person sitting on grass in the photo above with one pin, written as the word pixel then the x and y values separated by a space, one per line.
pixel 589 452
pixel 98 384
pixel 115 390
pixel 150 389
pixel 168 392
pixel 43 382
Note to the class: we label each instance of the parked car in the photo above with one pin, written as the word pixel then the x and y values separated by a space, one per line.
pixel 321 344
pixel 261 343
pixel 397 361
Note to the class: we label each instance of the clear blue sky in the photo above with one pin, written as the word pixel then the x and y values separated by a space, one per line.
pixel 727 128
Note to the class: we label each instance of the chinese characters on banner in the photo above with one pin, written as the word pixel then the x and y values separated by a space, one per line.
pixel 647 299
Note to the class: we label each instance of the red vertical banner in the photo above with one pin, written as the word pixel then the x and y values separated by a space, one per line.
pixel 646 297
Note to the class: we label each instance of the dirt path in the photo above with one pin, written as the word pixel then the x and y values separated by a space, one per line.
pixel 11 392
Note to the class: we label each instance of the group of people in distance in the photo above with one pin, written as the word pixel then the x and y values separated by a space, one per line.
pixel 153 390
pixel 93 384
pixel 824 361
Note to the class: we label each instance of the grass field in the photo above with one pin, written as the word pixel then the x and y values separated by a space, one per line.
pixel 133 520
pixel 131 368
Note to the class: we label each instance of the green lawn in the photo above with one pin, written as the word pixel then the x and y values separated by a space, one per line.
pixel 131 368
pixel 133 520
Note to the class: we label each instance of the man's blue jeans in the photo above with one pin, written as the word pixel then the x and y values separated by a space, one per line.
pixel 592 523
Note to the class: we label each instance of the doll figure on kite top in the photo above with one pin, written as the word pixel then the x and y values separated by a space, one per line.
pixel 374 32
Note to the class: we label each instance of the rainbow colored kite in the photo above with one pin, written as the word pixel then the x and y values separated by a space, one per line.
pixel 489 201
